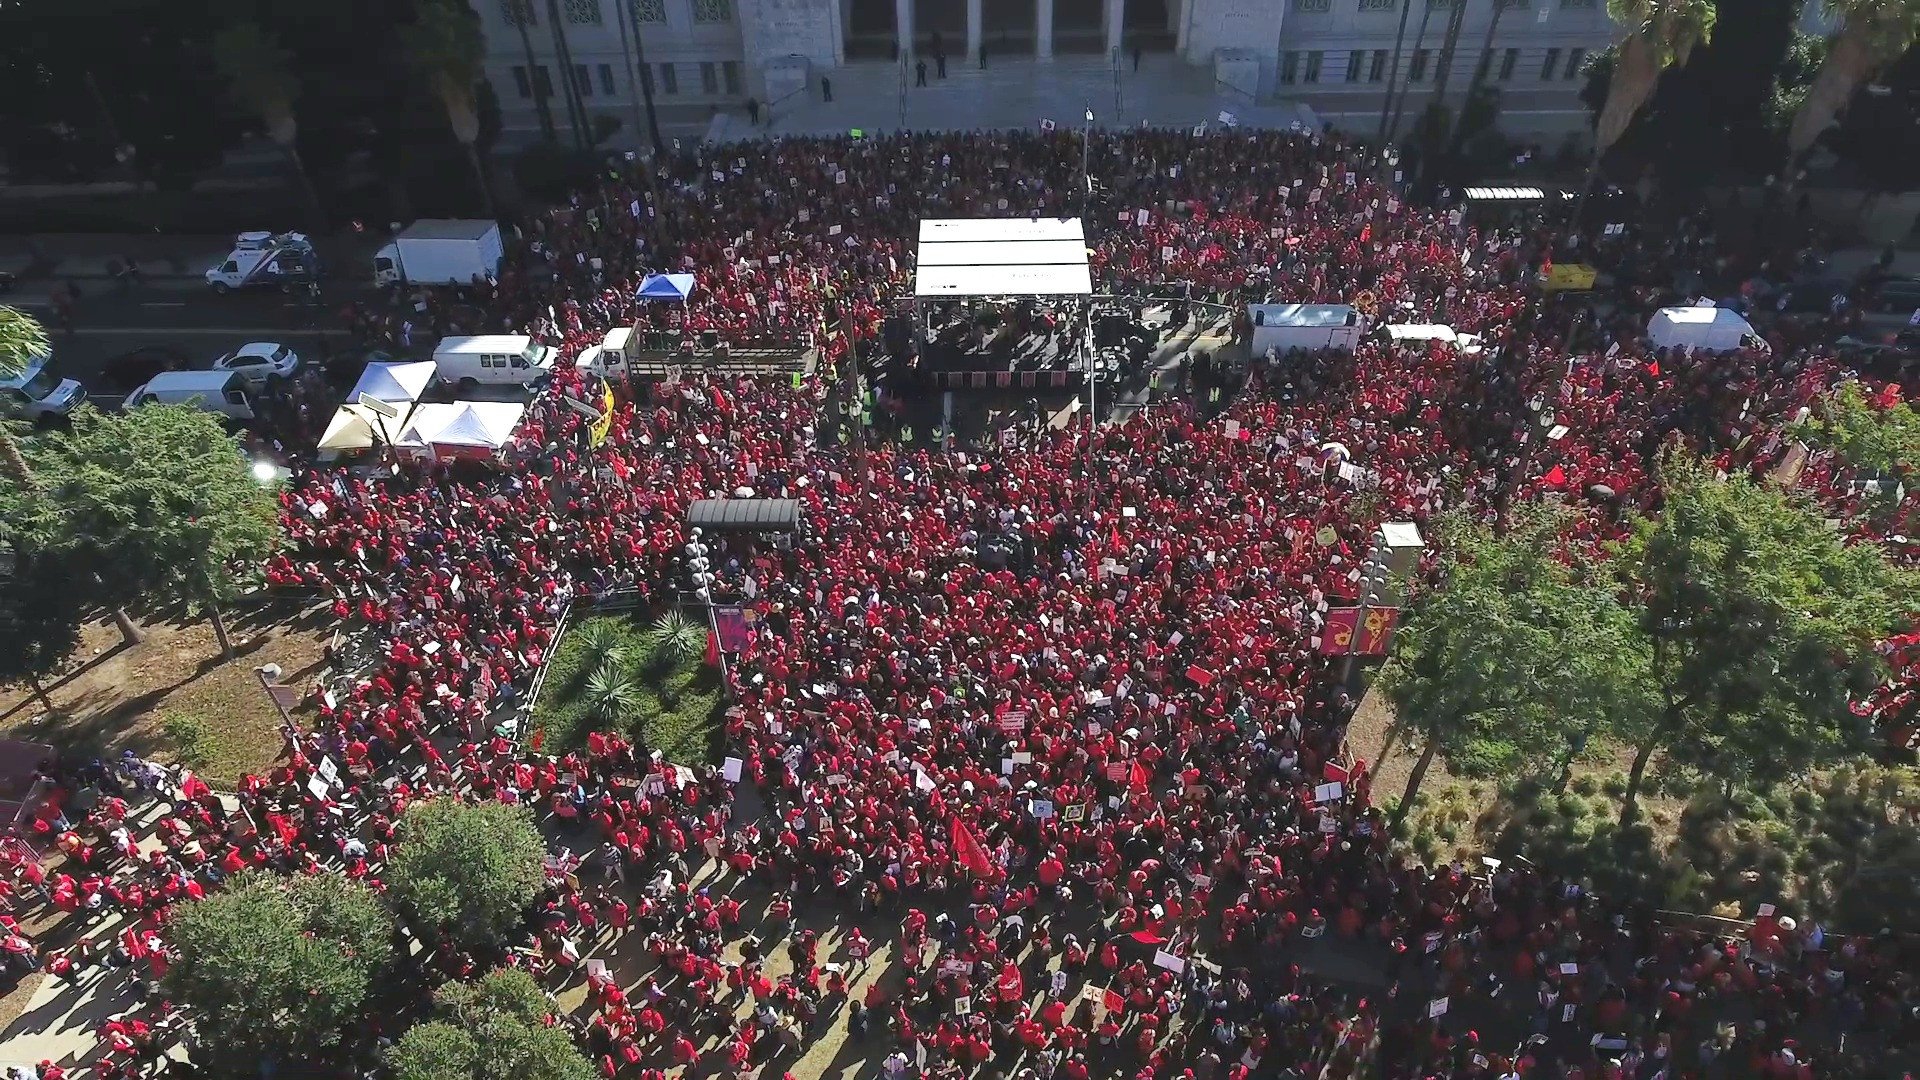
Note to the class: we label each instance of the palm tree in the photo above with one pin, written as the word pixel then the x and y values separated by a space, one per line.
pixel 603 641
pixel 1873 34
pixel 22 340
pixel 1660 34
pixel 522 20
pixel 612 697
pixel 446 44
pixel 675 636
pixel 259 76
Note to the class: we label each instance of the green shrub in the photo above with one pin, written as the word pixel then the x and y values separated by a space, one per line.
pixel 191 740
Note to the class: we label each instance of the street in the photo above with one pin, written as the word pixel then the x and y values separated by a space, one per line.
pixel 178 312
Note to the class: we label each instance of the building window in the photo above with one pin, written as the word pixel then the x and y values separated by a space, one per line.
pixel 709 77
pixel 582 81
pixel 669 80
pixel 521 82
pixel 1508 61
pixel 1551 62
pixel 543 81
pixel 1379 5
pixel 1314 60
pixel 1576 59
pixel 1290 68
pixel 730 74
pixel 1510 4
pixel 649 10
pixel 1440 4
pixel 583 12
pixel 1317 7
pixel 1417 67
pixel 606 80
pixel 712 11
pixel 1354 60
pixel 518 13
pixel 1377 70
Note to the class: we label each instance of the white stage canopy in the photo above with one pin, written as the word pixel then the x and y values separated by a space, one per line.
pixel 1002 257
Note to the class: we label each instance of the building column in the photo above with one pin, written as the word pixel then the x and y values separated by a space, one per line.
pixel 1116 23
pixel 973 32
pixel 903 26
pixel 1043 29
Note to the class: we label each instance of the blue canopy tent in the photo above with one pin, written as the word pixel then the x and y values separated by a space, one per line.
pixel 666 287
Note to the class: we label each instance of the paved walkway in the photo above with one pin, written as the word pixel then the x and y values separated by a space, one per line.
pixel 1013 93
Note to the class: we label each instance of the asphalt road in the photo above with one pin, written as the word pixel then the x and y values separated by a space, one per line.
pixel 178 312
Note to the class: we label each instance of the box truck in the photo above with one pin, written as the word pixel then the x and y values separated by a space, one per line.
pixel 440 252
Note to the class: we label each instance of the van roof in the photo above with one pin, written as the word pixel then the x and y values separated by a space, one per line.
pixel 188 382
pixel 447 229
pixel 485 343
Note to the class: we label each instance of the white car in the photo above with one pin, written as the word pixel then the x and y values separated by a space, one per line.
pixel 259 361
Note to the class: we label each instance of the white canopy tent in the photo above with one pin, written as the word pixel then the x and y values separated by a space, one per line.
pixel 349 430
pixel 964 257
pixel 394 383
pixel 461 427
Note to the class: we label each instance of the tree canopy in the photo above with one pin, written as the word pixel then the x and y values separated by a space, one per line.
pixel 1517 656
pixel 1760 622
pixel 159 501
pixel 467 870
pixel 41 605
pixel 493 1029
pixel 277 966
pixel 1880 437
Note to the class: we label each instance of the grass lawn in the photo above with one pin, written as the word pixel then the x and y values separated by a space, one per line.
pixel 650 683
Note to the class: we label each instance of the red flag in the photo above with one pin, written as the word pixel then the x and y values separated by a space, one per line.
pixel 1138 777
pixel 1556 477
pixel 1147 937
pixel 1201 676
pixel 967 849
pixel 713 648
pixel 1334 772
pixel 1653 368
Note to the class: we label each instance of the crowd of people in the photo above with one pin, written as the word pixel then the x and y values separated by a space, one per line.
pixel 1039 737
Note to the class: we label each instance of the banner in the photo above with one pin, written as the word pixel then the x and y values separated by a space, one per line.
pixel 1337 638
pixel 603 425
pixel 735 624
pixel 1570 277
pixel 1376 631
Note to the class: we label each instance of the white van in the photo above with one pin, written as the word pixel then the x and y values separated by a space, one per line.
pixel 36 393
pixel 493 359
pixel 222 392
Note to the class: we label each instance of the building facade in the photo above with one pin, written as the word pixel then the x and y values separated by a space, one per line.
pixel 1337 56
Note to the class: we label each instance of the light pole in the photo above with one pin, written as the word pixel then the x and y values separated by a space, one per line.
pixel 1086 338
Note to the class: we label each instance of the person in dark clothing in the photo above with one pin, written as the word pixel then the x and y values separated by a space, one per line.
pixel 857 1021
pixel 919 73
pixel 1136 56
pixel 826 88
pixel 983 56
pixel 940 63
pixel 753 110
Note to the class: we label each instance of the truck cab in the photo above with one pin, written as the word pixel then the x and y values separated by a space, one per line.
pixel 609 358
pixel 37 394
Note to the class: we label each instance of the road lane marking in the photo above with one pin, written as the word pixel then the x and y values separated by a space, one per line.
pixel 163 303
pixel 176 331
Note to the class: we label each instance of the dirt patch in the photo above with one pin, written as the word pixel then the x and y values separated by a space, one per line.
pixel 113 696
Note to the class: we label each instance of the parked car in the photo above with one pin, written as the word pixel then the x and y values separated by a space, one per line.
pixel 128 370
pixel 1887 306
pixel 343 367
pixel 260 361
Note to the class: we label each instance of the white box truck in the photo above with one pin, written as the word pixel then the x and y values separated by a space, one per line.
pixel 439 251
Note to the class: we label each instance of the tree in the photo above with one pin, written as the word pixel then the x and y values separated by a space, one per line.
pixel 1661 34
pixel 260 77
pixel 446 44
pixel 467 870
pixel 22 341
pixel 1880 437
pixel 495 1029
pixel 522 16
pixel 1760 623
pixel 1873 33
pixel 159 500
pixel 1519 654
pixel 40 615
pixel 277 966
pixel 612 695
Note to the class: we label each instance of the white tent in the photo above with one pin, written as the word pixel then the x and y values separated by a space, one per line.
pixel 462 426
pixel 1420 332
pixel 394 383
pixel 348 430
pixel 960 257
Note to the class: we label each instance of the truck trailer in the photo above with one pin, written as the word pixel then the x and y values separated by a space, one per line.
pixel 440 251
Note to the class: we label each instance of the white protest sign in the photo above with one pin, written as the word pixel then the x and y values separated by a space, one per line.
pixel 1329 792
pixel 730 769
pixel 1436 1008
pixel 1165 959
